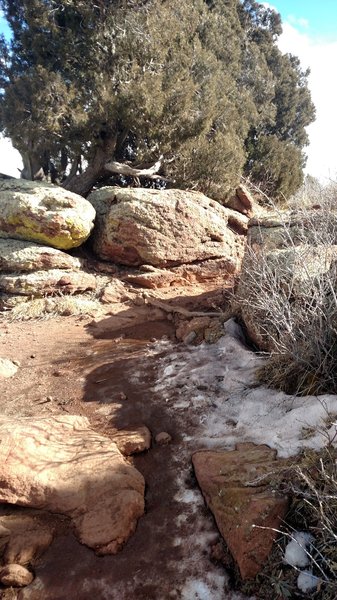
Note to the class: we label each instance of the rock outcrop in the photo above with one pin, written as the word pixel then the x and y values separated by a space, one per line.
pixel 61 465
pixel 41 283
pixel 25 535
pixel 15 576
pixel 30 269
pixel 24 256
pixel 164 228
pixel 235 487
pixel 44 213
pixel 214 271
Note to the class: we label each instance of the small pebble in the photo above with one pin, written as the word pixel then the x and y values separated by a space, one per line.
pixel 14 575
pixel 163 438
pixel 122 396
pixel 190 337
pixel 33 356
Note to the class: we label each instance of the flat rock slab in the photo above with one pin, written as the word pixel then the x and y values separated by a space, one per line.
pixel 239 506
pixel 45 213
pixel 40 283
pixel 207 271
pixel 23 256
pixel 61 465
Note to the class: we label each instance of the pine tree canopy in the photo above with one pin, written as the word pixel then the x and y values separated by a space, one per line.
pixel 194 94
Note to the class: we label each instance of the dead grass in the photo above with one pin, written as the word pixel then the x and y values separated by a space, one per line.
pixel 291 299
pixel 46 308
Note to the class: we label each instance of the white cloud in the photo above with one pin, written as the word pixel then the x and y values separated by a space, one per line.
pixel 298 21
pixel 10 159
pixel 320 57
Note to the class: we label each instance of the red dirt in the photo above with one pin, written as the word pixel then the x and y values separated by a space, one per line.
pixel 82 367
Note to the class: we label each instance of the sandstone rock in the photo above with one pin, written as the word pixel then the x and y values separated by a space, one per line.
pixel 115 291
pixel 40 283
pixel 15 576
pixel 44 213
pixel 198 329
pixel 224 478
pixel 26 534
pixel 196 325
pixel 163 438
pixel 132 441
pixel 242 201
pixel 161 227
pixel 61 465
pixel 207 271
pixel 20 255
pixel 7 368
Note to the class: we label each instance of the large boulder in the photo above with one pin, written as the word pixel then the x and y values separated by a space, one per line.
pixel 25 534
pixel 236 487
pixel 61 465
pixel 164 228
pixel 45 213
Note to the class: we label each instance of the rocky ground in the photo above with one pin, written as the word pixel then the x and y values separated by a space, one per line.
pixel 138 453
pixel 105 369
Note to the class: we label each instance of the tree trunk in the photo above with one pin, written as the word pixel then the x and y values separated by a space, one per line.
pixel 82 183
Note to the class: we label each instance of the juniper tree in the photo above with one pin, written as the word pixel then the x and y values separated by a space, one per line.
pixel 180 90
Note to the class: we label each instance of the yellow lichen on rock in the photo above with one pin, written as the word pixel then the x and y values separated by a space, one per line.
pixel 44 213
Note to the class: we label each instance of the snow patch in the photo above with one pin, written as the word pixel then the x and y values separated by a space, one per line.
pixel 297 552
pixel 307 582
pixel 213 387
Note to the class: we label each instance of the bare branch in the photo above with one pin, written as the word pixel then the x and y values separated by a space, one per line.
pixel 128 171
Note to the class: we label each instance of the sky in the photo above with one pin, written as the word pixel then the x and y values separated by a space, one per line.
pixel 309 32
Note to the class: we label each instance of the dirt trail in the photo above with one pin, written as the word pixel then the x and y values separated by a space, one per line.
pixel 107 371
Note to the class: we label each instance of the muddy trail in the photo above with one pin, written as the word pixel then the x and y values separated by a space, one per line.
pixel 107 370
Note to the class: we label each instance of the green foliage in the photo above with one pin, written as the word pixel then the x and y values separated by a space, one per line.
pixel 199 82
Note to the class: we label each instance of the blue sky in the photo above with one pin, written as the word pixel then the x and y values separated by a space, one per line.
pixel 310 32
pixel 4 28
pixel 319 19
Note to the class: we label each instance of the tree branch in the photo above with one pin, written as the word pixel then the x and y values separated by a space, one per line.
pixel 128 171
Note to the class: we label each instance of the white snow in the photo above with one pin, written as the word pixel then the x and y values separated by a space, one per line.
pixel 307 582
pixel 213 388
pixel 297 552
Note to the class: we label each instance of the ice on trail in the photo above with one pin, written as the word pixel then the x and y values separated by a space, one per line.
pixel 213 388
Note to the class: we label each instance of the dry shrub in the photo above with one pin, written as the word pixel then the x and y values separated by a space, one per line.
pixel 287 297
